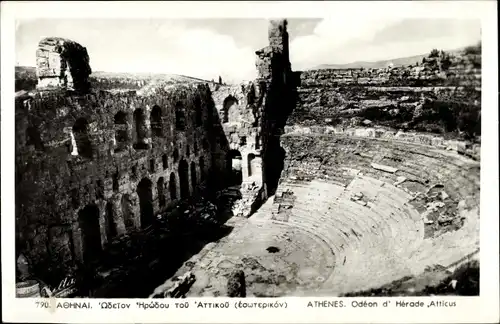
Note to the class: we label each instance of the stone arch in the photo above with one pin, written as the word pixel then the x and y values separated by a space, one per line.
pixel 180 117
pixel 156 122
pixel 128 217
pixel 145 193
pixel 202 168
pixel 88 219
pixel 234 167
pixel 34 138
pixel 110 222
pixel 229 110
pixel 121 131
pixel 82 138
pixel 141 130
pixel 172 187
pixel 161 195
pixel 194 180
pixel 184 178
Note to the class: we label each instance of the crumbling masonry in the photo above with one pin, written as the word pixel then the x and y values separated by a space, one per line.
pixel 92 165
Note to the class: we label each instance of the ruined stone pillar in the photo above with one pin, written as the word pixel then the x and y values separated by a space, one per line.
pixel 62 64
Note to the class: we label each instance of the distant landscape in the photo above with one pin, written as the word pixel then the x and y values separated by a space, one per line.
pixel 26 79
pixel 396 62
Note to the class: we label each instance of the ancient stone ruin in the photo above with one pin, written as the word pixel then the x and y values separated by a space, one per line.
pixel 62 63
pixel 334 181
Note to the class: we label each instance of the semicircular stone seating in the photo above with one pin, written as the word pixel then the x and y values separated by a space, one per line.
pixel 375 221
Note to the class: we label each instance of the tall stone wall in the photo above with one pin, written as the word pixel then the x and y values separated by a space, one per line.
pixel 91 166
pixel 277 93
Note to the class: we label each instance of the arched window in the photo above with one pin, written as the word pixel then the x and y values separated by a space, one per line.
pixel 172 187
pixel 141 130
pixel 33 138
pixel 164 161
pixel 156 122
pixel 230 109
pixel 121 131
pixel 82 139
pixel 180 117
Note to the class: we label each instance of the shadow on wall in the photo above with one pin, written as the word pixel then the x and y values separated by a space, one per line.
pixel 219 148
pixel 281 100
pixel 151 258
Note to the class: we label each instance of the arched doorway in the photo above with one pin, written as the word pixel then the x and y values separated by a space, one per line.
pixel 141 131
pixel 88 219
pixel 172 187
pixel 145 193
pixel 82 139
pixel 110 222
pixel 234 168
pixel 194 180
pixel 184 178
pixel 156 122
pixel 128 218
pixel 161 195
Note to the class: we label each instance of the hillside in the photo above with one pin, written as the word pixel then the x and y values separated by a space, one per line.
pixel 396 62
pixel 26 79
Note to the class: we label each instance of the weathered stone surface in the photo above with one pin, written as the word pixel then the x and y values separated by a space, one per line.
pixel 236 286
pixel 62 63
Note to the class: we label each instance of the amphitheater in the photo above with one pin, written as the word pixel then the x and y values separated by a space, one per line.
pixel 348 181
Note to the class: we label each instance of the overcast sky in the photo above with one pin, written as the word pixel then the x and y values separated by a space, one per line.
pixel 207 48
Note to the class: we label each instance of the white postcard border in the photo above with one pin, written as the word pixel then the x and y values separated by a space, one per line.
pixel 471 309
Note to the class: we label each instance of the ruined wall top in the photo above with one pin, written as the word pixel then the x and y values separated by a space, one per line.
pixel 62 63
pixel 278 35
